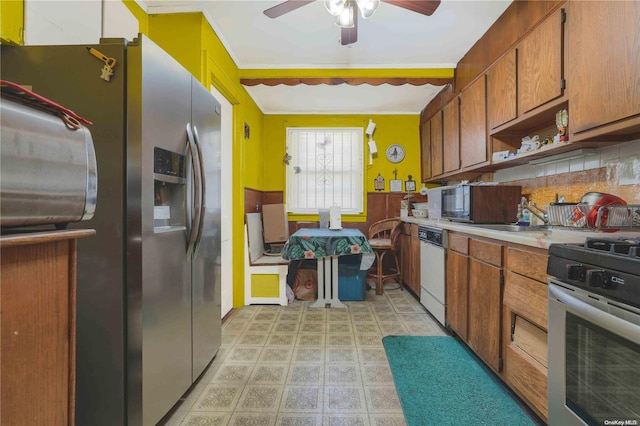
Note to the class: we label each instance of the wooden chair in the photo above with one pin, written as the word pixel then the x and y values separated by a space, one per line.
pixel 383 238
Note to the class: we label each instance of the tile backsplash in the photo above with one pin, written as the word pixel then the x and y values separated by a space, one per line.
pixel 615 170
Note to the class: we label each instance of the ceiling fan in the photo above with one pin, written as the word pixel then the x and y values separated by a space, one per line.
pixel 347 12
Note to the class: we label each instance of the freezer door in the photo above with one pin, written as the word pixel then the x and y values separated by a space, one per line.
pixel 205 266
pixel 158 271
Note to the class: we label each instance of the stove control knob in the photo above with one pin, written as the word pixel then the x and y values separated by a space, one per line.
pixel 597 278
pixel 576 272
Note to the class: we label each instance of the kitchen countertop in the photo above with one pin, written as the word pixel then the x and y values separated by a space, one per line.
pixel 541 238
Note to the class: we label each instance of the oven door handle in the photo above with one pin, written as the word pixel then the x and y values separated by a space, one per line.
pixel 604 319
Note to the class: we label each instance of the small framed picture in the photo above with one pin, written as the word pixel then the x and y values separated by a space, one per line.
pixel 395 185
pixel 410 186
pixel 378 183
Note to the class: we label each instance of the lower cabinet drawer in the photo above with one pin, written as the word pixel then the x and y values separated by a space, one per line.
pixel 527 297
pixel 459 243
pixel 532 264
pixel 485 251
pixel 528 378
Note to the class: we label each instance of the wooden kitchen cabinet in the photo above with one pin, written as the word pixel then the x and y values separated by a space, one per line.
pixel 405 253
pixel 505 325
pixel 473 124
pixel 38 293
pixel 539 58
pixel 474 295
pixel 485 301
pixel 603 72
pixel 501 91
pixel 410 257
pixel 437 147
pixel 525 319
pixel 457 289
pixel 451 136
pixel 425 150
pixel 414 250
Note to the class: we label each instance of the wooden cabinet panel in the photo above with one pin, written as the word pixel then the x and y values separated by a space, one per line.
pixel 501 91
pixel 540 64
pixel 414 271
pixel 528 377
pixel 425 150
pixel 457 292
pixel 473 124
pixel 405 253
pixel 485 251
pixel 38 293
pixel 485 312
pixel 437 158
pixel 531 339
pixel 451 136
pixel 394 200
pixel 35 333
pixel 532 264
pixel 458 243
pixel 527 297
pixel 603 72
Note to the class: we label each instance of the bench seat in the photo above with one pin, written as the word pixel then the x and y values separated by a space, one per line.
pixel 265 275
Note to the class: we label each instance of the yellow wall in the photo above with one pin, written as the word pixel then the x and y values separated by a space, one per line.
pixel 11 21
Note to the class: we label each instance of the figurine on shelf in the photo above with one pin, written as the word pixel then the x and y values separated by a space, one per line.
pixel 562 120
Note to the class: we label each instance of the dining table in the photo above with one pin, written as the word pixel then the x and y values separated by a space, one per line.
pixel 326 246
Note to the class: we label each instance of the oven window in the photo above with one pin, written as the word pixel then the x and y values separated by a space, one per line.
pixel 602 374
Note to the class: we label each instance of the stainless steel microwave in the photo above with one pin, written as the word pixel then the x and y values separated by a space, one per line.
pixel 481 203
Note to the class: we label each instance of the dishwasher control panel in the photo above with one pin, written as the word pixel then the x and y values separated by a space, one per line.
pixel 435 236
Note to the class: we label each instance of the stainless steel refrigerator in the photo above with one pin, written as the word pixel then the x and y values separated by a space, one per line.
pixel 148 283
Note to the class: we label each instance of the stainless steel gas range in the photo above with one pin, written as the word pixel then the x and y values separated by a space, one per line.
pixel 594 332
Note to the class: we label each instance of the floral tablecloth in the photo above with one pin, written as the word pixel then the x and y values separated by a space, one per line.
pixel 315 243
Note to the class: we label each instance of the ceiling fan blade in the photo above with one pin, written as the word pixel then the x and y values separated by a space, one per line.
pixel 350 35
pixel 286 7
pixel 424 7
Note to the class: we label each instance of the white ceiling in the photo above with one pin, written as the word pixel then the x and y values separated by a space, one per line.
pixel 308 38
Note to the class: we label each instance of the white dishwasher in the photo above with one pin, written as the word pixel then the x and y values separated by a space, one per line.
pixel 433 242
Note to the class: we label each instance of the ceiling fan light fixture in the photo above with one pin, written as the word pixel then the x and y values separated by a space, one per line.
pixel 335 7
pixel 368 7
pixel 345 19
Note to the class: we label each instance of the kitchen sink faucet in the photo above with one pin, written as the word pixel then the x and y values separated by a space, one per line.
pixel 542 214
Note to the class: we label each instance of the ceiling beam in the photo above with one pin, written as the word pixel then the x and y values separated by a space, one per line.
pixel 353 81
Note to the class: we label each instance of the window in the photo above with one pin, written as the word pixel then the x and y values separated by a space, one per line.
pixel 326 169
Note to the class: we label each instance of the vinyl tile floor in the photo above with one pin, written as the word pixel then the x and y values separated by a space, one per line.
pixel 298 365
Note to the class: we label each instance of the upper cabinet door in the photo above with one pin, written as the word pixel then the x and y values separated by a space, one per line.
pixel 603 72
pixel 436 145
pixel 451 136
pixel 540 63
pixel 501 91
pixel 473 124
pixel 425 149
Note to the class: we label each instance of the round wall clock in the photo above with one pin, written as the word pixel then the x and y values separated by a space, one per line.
pixel 395 153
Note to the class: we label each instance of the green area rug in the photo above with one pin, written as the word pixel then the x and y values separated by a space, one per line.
pixel 440 383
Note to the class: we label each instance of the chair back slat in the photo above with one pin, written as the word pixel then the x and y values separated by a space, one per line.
pixel 383 228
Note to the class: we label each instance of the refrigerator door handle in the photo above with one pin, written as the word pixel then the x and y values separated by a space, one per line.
pixel 203 189
pixel 196 201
